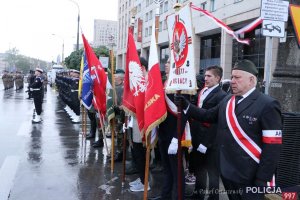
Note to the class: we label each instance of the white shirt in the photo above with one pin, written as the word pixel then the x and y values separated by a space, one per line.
pixel 246 95
pixel 205 93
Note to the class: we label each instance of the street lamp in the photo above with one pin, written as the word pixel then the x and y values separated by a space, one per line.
pixel 63 46
pixel 78 20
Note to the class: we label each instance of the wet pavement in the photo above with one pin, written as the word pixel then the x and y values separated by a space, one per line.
pixel 51 160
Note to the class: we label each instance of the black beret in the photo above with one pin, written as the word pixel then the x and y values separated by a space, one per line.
pixel 245 65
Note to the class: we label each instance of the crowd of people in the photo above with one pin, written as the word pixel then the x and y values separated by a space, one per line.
pixel 11 80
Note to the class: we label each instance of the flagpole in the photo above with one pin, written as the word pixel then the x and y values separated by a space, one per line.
pixel 124 151
pixel 177 7
pixel 148 139
pixel 112 121
pixel 103 131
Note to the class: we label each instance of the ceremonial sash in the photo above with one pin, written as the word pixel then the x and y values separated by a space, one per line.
pixel 245 142
pixel 186 138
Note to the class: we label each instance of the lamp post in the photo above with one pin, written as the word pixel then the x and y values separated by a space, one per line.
pixel 78 20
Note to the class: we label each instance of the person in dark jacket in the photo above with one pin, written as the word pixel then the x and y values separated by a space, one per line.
pixel 249 133
pixel 203 157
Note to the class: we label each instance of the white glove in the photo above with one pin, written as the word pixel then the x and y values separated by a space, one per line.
pixel 202 149
pixel 124 127
pixel 173 146
pixel 31 89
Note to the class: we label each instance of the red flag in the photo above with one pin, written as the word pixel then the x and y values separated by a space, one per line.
pixel 134 84
pixel 98 76
pixel 155 104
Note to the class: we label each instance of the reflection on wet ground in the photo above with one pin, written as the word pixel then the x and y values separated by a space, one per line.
pixel 57 163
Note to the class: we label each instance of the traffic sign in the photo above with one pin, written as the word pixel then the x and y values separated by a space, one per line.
pixel 295 14
pixel 273 28
pixel 275 10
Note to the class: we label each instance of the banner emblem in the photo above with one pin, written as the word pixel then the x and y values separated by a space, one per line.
pixel 179 45
pixel 137 79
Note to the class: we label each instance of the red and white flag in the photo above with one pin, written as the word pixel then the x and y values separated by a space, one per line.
pixel 134 84
pixel 98 76
pixel 155 105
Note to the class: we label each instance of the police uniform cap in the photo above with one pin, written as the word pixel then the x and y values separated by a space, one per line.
pixel 39 70
pixel 245 65
pixel 76 71
pixel 119 71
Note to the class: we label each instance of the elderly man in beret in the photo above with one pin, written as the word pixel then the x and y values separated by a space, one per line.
pixel 249 133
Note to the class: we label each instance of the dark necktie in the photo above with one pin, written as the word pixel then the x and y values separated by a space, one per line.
pixel 237 98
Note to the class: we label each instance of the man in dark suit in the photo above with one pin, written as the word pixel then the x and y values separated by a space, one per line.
pixel 203 157
pixel 249 133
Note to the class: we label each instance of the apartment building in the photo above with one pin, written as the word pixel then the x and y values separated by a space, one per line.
pixel 105 33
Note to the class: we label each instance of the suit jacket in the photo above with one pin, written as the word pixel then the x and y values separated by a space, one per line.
pixel 255 113
pixel 168 128
pixel 205 133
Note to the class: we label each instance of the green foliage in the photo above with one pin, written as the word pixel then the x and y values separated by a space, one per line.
pixel 74 59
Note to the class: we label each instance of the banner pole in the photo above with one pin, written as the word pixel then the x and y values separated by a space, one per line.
pixel 112 153
pixel 179 151
pixel 146 180
pixel 124 151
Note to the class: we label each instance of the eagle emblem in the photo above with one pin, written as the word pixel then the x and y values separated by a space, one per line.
pixel 137 79
pixel 180 44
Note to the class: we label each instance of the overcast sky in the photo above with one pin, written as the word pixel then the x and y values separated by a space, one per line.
pixel 29 25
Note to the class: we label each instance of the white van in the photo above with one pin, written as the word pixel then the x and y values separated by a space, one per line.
pixel 52 73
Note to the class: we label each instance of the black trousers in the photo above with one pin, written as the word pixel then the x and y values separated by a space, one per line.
pixel 170 165
pixel 140 157
pixel 237 191
pixel 38 100
pixel 206 167
pixel 93 120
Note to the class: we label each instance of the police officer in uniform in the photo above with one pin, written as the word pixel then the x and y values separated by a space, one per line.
pixel 249 133
pixel 38 94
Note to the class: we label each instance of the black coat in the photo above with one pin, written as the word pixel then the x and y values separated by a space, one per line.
pixel 255 113
pixel 205 133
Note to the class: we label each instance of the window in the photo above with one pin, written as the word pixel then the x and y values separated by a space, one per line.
pixel 139 8
pixel 203 5
pixel 150 15
pixel 126 5
pixel 256 53
pixel 160 26
pixel 165 25
pixel 164 56
pixel 161 9
pixel 166 5
pixel 147 2
pixel 146 32
pixel 150 30
pixel 146 17
pixel 129 2
pixel 212 5
pixel 210 51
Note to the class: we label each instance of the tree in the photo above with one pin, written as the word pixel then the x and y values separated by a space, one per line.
pixel 11 57
pixel 73 61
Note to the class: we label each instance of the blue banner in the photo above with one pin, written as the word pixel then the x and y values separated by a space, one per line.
pixel 87 85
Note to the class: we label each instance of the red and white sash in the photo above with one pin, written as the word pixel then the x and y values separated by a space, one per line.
pixel 186 138
pixel 245 142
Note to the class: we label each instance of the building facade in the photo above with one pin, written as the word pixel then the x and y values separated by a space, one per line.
pixel 213 46
pixel 105 33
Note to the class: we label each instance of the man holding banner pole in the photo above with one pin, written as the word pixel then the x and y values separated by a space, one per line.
pixel 249 134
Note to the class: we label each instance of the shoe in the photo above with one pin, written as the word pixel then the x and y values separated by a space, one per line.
pixel 118 157
pixel 37 119
pixel 133 183
pixel 90 136
pixel 76 119
pixel 190 179
pixel 98 144
pixel 138 187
